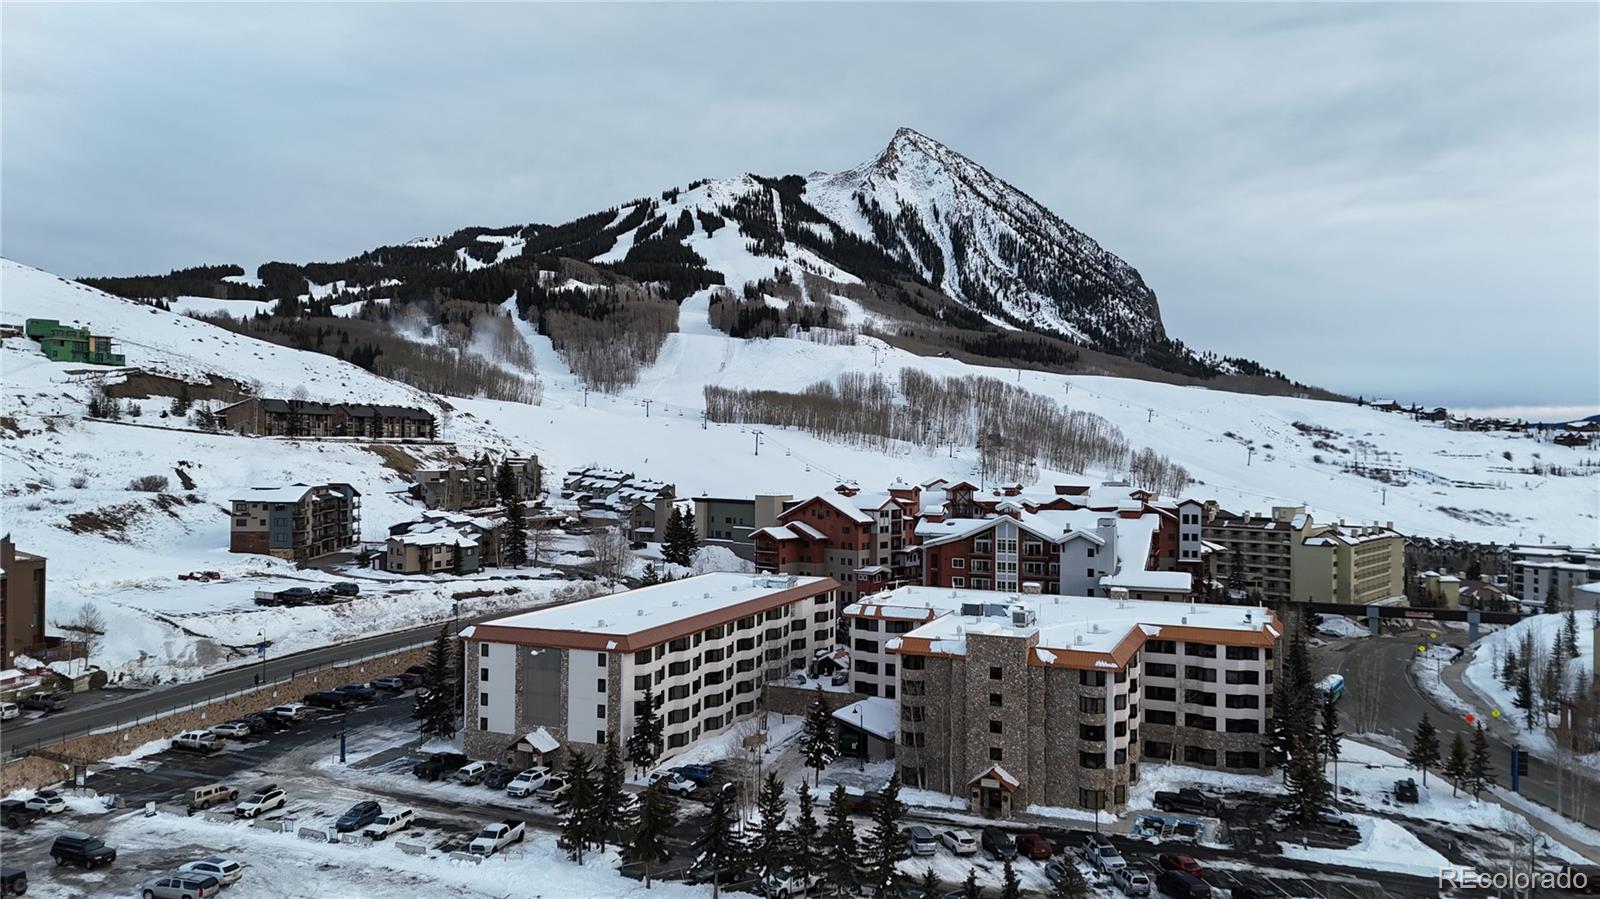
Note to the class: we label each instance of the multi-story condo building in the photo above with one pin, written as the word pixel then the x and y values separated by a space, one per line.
pixel 443 543
pixel 1358 564
pixel 304 418
pixel 862 540
pixel 733 519
pixel 22 607
pixel 1057 700
pixel 704 646
pixel 1537 571
pixel 474 485
pixel 1261 546
pixel 872 621
pixel 298 522
pixel 605 497
pixel 64 343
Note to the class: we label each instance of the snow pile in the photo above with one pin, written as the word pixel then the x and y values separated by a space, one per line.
pixel 1340 627
pixel 1384 846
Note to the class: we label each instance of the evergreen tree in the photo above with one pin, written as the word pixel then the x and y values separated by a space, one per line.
pixel 691 540
pixel 1480 769
pixel 1457 765
pixel 581 820
pixel 1329 736
pixel 969 887
pixel 1277 734
pixel 841 857
pixel 1010 886
pixel 718 848
pixel 1308 790
pixel 817 745
pixel 680 543
pixel 1524 699
pixel 647 842
pixel 1071 885
pixel 770 849
pixel 435 705
pixel 1569 633
pixel 1508 670
pixel 650 576
pixel 928 885
pixel 644 745
pixel 886 844
pixel 1424 747
pixel 804 849
pixel 608 790
pixel 1300 719
pixel 1552 599
pixel 1236 587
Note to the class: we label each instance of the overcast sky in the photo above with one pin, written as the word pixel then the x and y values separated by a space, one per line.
pixel 1381 199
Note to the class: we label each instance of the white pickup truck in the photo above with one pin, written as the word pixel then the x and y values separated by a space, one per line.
pixel 495 837
pixel 388 823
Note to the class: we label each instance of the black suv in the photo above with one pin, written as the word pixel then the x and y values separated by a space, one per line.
pixel 327 699
pixel 78 848
pixel 15 814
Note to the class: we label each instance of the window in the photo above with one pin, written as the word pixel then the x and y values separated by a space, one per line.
pixel 1091 760
pixel 642 657
pixel 1196 755
pixel 1119 757
pixel 483 674
pixel 1091 705
pixel 995 673
pixel 958 563
pixel 1160 694
pixel 1158 716
pixel 1088 798
pixel 1241 653
pixel 1092 732
pixel 1161 669
pixel 1241 677
pixel 1167 647
pixel 1195 672
pixel 958 582
pixel 1242 702
pixel 1200 697
pixel 914 739
pixel 485 650
pixel 913 777
pixel 600 711
pixel 913 663
pixel 863 666
pixel 1241 725
pixel 1154 749
pixel 600 685
pixel 912 712
pixel 865 624
pixel 1092 678
pixel 1242 759
pixel 483 699
pixel 866 645
pixel 1200 722
pixel 483 724
pixel 1200 650
pixel 995 701
pixel 994 727
pixel 995 754
pixel 1088 572
pixel 601 658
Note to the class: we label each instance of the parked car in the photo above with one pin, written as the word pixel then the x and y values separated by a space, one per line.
pixel 265 722
pixel 328 699
pixel 290 711
pixel 15 814
pixel 700 774
pixel 527 781
pixel 1056 871
pixel 360 815
pixel 358 691
pixel 472 773
pixel 390 684
pixel 552 789
pixel 211 794
pixel 296 594
pixel 224 869
pixel 959 841
pixel 498 777
pixel 388 823
pixel 201 741
pixel 495 837
pixel 417 671
pixel 786 882
pixel 410 679
pixel 440 764
pixel 1182 885
pixel 345 588
pixel 9 710
pixel 1000 845
pixel 1187 800
pixel 1131 881
pixel 45 701
pixel 1405 790
pixel 1034 846
pixel 1176 861
pixel 672 782
pixel 260 802
pixel 180 886
pixel 49 802
pixel 920 840
pixel 1101 855
pixel 78 848
pixel 13 881
pixel 233 730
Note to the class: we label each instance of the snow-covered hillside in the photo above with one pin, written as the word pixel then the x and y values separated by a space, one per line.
pixel 67 494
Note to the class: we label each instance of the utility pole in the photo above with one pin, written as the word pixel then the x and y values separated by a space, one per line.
pixel 261 650
pixel 1249 451
pixel 758 442
pixel 647 408
pixel 1152 416
pixel 585 397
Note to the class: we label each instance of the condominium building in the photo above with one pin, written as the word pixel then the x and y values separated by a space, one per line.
pixel 733 519
pixel 565 676
pixel 605 497
pixel 862 540
pixel 22 601
pixel 475 485
pixel 297 522
pixel 443 543
pixel 1057 700
pixel 1260 546
pixel 1537 571
pixel 1349 564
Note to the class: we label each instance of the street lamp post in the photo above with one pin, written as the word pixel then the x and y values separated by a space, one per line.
pixel 261 650
pixel 861 730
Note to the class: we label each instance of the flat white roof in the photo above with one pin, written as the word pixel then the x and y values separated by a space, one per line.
pixel 1081 623
pixel 659 604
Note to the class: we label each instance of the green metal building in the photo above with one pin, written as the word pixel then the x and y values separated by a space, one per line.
pixel 64 343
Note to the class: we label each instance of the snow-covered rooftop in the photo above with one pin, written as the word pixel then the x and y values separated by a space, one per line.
pixel 875 715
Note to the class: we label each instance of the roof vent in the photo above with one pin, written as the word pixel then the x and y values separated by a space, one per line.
pixel 602 623
pixel 1184 619
pixel 1247 617
pixel 1077 639
pixel 641 612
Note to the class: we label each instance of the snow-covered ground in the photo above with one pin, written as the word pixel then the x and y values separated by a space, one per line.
pixel 1487 655
pixel 1385 846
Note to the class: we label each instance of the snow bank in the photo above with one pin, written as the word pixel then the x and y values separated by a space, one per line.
pixel 1384 846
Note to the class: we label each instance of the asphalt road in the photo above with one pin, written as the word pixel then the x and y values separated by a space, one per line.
pixel 74 721
pixel 1401 704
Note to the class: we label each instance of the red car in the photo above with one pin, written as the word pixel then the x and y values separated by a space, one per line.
pixel 1034 846
pixel 1172 861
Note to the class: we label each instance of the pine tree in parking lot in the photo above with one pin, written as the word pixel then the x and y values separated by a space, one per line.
pixel 804 850
pixel 770 849
pixel 608 790
pixel 1457 765
pixel 841 857
pixel 886 844
pixel 1308 790
pixel 580 819
pixel 817 744
pixel 435 705
pixel 1010 886
pixel 647 842
pixel 718 848
pixel 1480 769
pixel 644 745
pixel 928 884
pixel 970 888
pixel 1424 747
pixel 681 543
pixel 1329 735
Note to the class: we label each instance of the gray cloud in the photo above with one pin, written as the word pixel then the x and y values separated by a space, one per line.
pixel 1383 199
